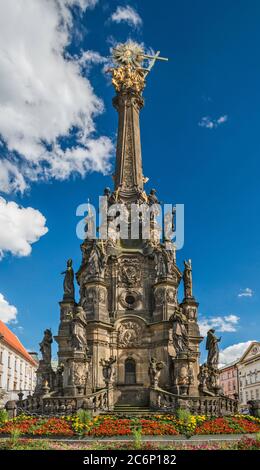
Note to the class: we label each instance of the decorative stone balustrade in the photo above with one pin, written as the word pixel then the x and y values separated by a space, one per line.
pixel 211 406
pixel 97 402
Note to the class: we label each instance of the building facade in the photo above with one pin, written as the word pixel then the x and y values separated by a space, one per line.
pixel 229 380
pixel 17 367
pixel 249 374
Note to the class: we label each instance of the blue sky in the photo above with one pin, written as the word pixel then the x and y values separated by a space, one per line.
pixel 200 143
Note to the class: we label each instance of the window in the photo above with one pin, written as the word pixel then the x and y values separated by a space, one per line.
pixel 246 396
pixel 252 394
pixel 130 371
pixel 1 357
pixel 257 393
pixel 9 360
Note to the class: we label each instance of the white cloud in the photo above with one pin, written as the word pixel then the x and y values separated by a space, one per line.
pixel 92 57
pixel 44 97
pixel 227 323
pixel 7 312
pixel 247 292
pixel 128 15
pixel 234 352
pixel 210 123
pixel 19 228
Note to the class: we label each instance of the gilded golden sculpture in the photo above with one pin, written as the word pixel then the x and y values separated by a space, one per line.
pixel 130 73
pixel 127 78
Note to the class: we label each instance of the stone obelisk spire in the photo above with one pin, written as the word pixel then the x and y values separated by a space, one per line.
pixel 128 78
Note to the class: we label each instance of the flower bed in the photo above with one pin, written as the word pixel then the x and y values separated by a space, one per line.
pixel 228 425
pixel 108 426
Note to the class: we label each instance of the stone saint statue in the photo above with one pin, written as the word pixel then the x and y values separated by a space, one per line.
pixel 179 333
pixel 213 349
pixel 160 263
pixel 45 346
pixel 96 262
pixel 169 224
pixel 152 198
pixel 59 376
pixel 154 371
pixel 78 334
pixel 68 283
pixel 187 278
pixel 108 369
pixel 203 376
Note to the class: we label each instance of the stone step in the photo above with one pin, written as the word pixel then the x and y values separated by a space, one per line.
pixel 130 410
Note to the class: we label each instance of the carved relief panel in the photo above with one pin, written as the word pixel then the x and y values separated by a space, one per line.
pixel 130 334
pixel 129 272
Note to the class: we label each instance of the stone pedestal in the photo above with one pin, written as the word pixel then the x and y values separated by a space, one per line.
pixel 44 374
pixel 184 370
pixel 76 374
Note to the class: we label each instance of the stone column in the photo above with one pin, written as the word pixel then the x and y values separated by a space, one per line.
pixel 128 174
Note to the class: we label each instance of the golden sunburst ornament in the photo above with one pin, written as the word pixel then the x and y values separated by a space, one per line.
pixel 129 53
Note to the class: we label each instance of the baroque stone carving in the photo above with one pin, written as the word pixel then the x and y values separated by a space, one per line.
pixel 183 376
pixel 129 334
pixel 159 296
pixel 68 283
pixel 45 346
pixel 78 338
pixel 155 368
pixel 101 295
pixel 59 376
pixel 179 332
pixel 96 261
pixel 160 263
pixel 213 349
pixel 187 278
pixel 192 312
pixel 78 373
pixel 92 295
pixel 203 377
pixel 171 296
pixel 130 273
pixel 108 369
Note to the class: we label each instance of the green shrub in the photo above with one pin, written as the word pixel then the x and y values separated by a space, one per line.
pixel 183 415
pixel 3 416
pixel 136 429
pixel 14 439
pixel 84 416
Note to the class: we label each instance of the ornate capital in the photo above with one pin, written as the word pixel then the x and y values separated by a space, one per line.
pixel 127 99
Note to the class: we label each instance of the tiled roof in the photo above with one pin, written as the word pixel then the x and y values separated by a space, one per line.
pixel 11 339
